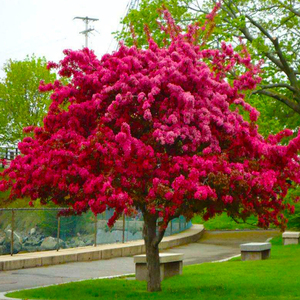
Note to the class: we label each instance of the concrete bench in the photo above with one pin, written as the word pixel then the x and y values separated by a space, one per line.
pixel 255 251
pixel 170 265
pixel 291 238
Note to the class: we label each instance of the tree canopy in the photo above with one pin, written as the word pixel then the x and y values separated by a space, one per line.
pixel 21 103
pixel 157 130
pixel 276 40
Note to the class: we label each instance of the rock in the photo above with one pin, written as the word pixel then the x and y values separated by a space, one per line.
pixel 33 240
pixel 2 239
pixel 49 243
pixel 17 235
pixel 32 231
pixel 117 236
pixel 80 244
pixel 137 236
pixel 75 242
pixel 8 227
pixel 89 242
pixel 4 249
pixel 5 242
pixel 108 237
pixel 88 239
pixel 30 248
pixel 134 227
pixel 17 247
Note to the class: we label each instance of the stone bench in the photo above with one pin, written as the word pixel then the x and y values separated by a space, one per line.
pixel 255 251
pixel 290 238
pixel 170 265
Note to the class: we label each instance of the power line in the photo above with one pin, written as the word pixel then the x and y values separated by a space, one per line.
pixel 87 29
pixel 132 4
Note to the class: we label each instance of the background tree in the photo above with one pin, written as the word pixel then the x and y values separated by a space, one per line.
pixel 274 39
pixel 148 14
pixel 157 130
pixel 21 103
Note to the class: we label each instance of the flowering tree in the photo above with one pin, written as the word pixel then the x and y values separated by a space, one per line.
pixel 157 130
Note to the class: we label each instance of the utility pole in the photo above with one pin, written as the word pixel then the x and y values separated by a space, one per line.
pixel 87 29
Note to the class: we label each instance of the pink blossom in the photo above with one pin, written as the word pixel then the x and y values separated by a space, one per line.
pixel 148 115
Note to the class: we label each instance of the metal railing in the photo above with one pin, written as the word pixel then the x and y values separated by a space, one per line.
pixel 40 229
pixel 9 153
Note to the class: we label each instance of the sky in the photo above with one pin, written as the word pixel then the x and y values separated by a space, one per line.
pixel 46 28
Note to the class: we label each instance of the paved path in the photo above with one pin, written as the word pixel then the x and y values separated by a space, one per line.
pixel 214 245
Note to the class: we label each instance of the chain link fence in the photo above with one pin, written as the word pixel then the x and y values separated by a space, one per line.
pixel 32 229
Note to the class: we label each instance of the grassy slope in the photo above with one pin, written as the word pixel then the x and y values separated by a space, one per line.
pixel 275 278
pixel 222 222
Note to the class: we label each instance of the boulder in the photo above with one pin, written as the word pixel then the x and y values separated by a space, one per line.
pixel 50 243
pixel 137 236
pixel 4 249
pixel 32 231
pixel 109 237
pixel 2 238
pixel 4 244
pixel 134 226
pixel 8 227
pixel 17 247
pixel 33 242
pixel 18 237
pixel 88 239
pixel 75 242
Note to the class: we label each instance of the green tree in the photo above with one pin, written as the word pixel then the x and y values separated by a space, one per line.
pixel 276 40
pixel 21 103
pixel 148 14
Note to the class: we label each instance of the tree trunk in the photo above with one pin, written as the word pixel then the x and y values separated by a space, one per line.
pixel 152 254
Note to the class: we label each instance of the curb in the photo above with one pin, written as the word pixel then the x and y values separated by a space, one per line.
pixel 3 297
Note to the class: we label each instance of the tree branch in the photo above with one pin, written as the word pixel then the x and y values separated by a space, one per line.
pixel 250 38
pixel 286 68
pixel 196 3
pixel 267 8
pixel 159 237
pixel 291 9
pixel 229 9
pixel 244 222
pixel 283 85
pixel 281 98
pixel 284 22
pixel 186 20
pixel 196 9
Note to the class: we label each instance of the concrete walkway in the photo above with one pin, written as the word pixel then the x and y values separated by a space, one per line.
pixel 213 246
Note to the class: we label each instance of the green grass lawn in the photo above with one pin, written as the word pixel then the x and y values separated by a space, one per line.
pixel 223 222
pixel 275 278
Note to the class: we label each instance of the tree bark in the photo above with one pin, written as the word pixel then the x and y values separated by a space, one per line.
pixel 152 254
